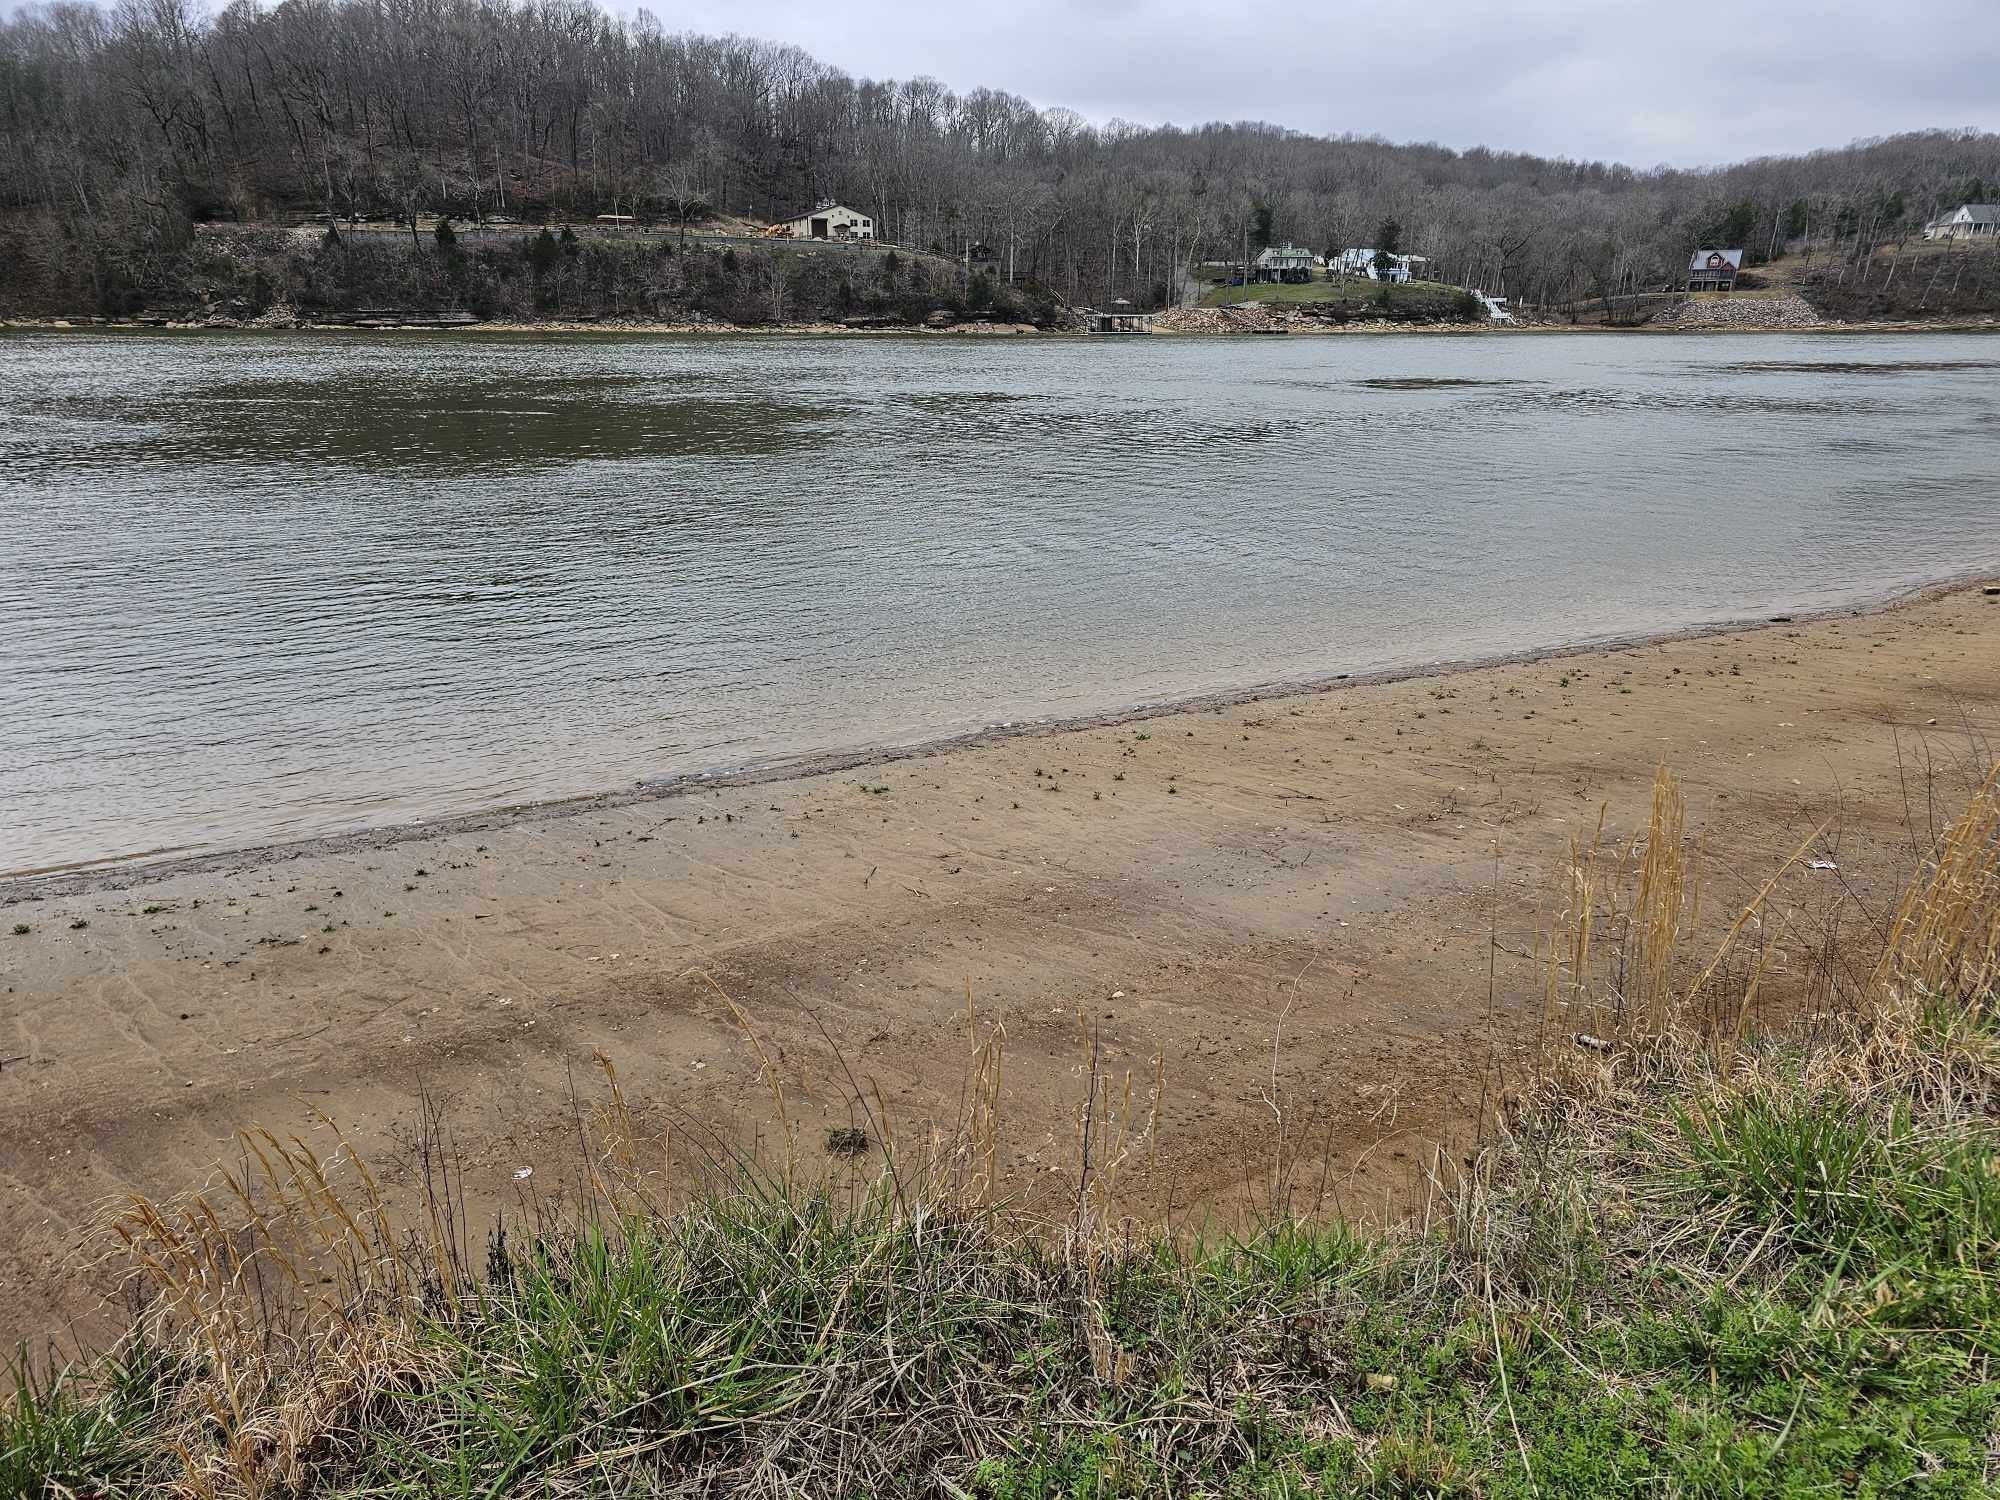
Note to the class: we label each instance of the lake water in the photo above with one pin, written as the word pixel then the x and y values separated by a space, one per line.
pixel 261 587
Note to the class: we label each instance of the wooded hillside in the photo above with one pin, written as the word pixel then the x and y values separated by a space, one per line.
pixel 122 128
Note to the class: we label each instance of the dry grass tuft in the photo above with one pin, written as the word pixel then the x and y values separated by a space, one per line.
pixel 285 1288
pixel 1941 964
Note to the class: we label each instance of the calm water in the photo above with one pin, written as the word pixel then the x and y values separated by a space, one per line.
pixel 261 587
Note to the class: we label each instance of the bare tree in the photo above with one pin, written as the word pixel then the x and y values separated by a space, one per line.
pixel 564 109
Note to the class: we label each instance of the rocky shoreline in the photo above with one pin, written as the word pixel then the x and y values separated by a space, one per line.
pixel 1786 314
pixel 286 321
pixel 1791 315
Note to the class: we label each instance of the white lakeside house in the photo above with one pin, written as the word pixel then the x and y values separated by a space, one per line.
pixel 1360 261
pixel 829 221
pixel 1969 221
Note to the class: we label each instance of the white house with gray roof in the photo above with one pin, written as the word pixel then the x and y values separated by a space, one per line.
pixel 1969 221
pixel 1362 261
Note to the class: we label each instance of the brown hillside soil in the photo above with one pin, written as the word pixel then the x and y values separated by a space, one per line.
pixel 1291 899
pixel 1935 281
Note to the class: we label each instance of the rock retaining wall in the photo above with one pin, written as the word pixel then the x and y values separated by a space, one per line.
pixel 1740 312
pixel 1213 320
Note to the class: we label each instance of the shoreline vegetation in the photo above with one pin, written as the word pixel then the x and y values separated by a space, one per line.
pixel 1698 1245
pixel 647 281
pixel 813 330
pixel 975 328
pixel 118 873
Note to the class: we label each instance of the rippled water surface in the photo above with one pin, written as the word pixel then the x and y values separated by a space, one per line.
pixel 254 588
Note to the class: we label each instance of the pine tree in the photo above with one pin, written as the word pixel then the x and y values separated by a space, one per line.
pixel 544 252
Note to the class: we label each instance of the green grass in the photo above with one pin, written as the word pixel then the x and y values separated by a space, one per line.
pixel 1602 1334
pixel 81 1430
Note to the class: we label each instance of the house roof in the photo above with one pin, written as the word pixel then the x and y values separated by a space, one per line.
pixel 1699 260
pixel 1283 252
pixel 1978 213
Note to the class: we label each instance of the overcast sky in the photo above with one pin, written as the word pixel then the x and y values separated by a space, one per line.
pixel 1670 81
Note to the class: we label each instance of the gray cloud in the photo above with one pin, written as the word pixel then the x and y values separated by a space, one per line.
pixel 1651 83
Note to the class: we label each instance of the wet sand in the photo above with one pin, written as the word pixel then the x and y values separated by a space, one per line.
pixel 1333 859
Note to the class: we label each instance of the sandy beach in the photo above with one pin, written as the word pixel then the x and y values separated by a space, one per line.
pixel 1296 892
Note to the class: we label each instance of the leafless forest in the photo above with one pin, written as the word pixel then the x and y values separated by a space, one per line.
pixel 124 128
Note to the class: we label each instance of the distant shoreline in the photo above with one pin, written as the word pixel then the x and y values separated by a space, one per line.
pixel 1988 325
pixel 122 874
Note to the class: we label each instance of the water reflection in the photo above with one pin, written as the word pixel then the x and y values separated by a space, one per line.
pixel 494 424
pixel 1848 367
